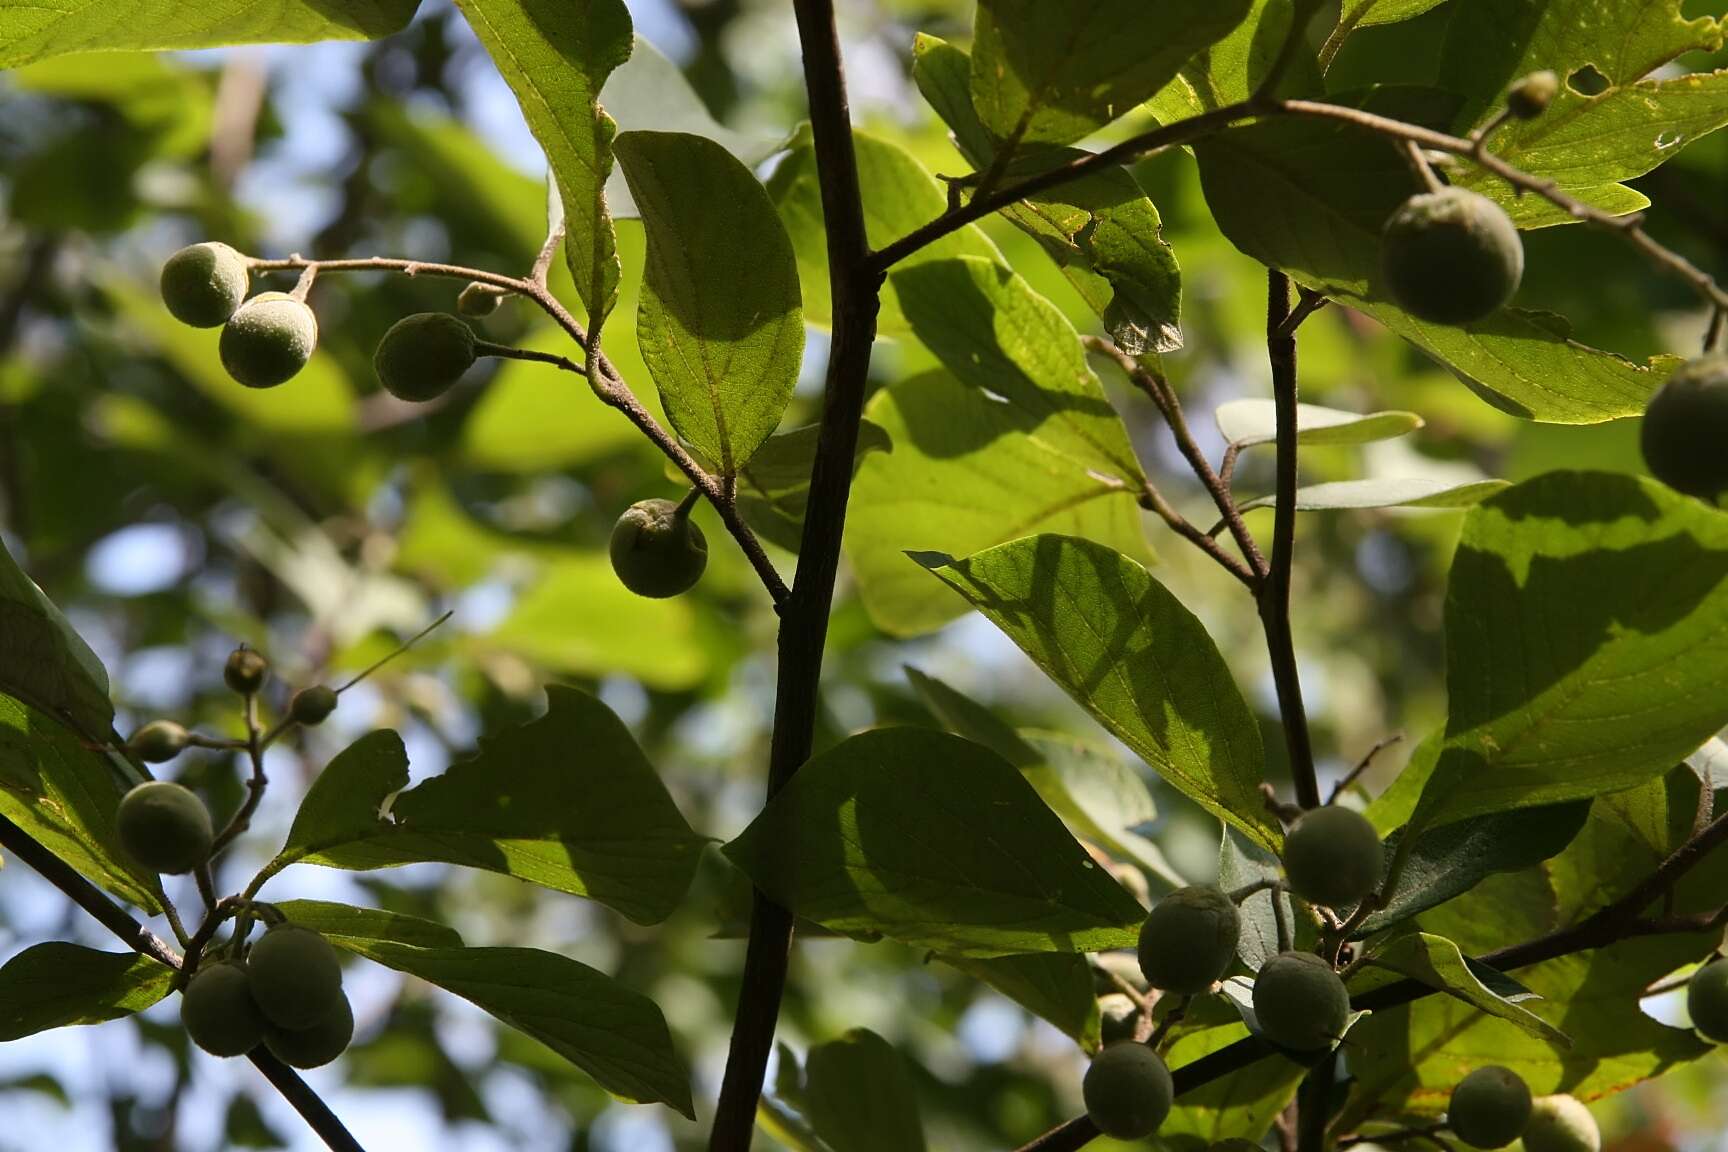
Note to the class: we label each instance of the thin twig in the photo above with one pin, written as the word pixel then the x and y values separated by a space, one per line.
pixel 395 652
pixel 543 260
pixel 1172 1018
pixel 256 783
pixel 1362 766
pixel 506 352
pixel 1419 165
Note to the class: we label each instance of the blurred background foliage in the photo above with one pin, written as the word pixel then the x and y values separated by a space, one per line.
pixel 172 513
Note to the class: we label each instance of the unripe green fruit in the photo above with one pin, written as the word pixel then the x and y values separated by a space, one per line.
pixel 219 1013
pixel 1530 96
pixel 202 284
pixel 656 551
pixel 1489 1107
pixel 1127 1090
pixel 1189 940
pixel 1685 426
pixel 159 741
pixel 312 705
pixel 422 355
pixel 1451 257
pixel 268 340
pixel 296 978
pixel 1707 1001
pixel 1300 1002
pixel 245 671
pixel 1118 1017
pixel 478 300
pixel 316 1046
pixel 1332 856
pixel 1561 1124
pixel 164 827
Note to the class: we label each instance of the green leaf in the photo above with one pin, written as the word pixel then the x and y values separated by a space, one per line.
pixel 859 1096
pixel 1387 492
pixel 1232 69
pixel 1128 651
pixel 64 794
pixel 614 1034
pixel 55 984
pixel 1055 986
pixel 1241 863
pixel 1436 962
pixel 43 660
pixel 935 841
pixel 556 55
pixel 1310 197
pixel 363 924
pixel 966 473
pixel 1245 423
pixel 1241 1105
pixel 1054 73
pixel 568 802
pixel 33 31
pixel 720 322
pixel 1583 643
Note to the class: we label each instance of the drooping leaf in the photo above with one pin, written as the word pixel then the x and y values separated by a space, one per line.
pixel 1436 962
pixel 556 55
pixel 1249 422
pixel 1583 626
pixel 43 660
pixel 55 984
pixel 1054 73
pixel 1055 986
pixel 65 794
pixel 31 31
pixel 720 323
pixel 1386 492
pixel 935 841
pixel 1128 651
pixel 859 1095
pixel 567 801
pixel 968 472
pixel 336 920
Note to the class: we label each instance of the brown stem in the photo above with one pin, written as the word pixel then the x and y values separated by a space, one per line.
pixel 854 286
pixel 255 785
pixel 1362 766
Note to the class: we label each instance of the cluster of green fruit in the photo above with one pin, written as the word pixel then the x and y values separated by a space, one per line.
pixel 285 993
pixel 1492 1106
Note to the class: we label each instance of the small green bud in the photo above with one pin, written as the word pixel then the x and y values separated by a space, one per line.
pixel 1530 96
pixel 478 300
pixel 218 1012
pixel 314 1046
pixel 202 284
pixel 1451 257
pixel 1489 1107
pixel 268 340
pixel 1332 856
pixel 1118 1017
pixel 1300 1003
pixel 245 671
pixel 1189 940
pixel 1707 1001
pixel 159 741
pixel 656 551
pixel 1128 1091
pixel 422 355
pixel 296 978
pixel 312 705
pixel 164 827
pixel 1561 1124
pixel 1685 426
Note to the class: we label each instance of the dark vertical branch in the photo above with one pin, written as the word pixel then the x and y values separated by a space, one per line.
pixel 1275 592
pixel 804 617
pixel 1314 1105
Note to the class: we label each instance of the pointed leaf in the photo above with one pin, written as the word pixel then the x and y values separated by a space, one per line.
pixel 859 1096
pixel 1387 492
pixel 1249 422
pixel 345 920
pixel 1055 986
pixel 43 660
pixel 1436 962
pixel 55 984
pixel 935 841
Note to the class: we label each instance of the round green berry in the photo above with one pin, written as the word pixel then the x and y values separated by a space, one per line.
pixel 202 284
pixel 1332 856
pixel 296 978
pixel 1189 940
pixel 218 1011
pixel 1685 426
pixel 422 355
pixel 1489 1107
pixel 1530 96
pixel 656 551
pixel 1707 1001
pixel 1127 1090
pixel 164 827
pixel 245 671
pixel 159 741
pixel 1118 1017
pixel 1561 1124
pixel 313 1047
pixel 1451 257
pixel 1300 1003
pixel 478 300
pixel 268 340
pixel 312 705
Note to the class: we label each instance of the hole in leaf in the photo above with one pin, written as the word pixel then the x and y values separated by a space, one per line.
pixel 1587 81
